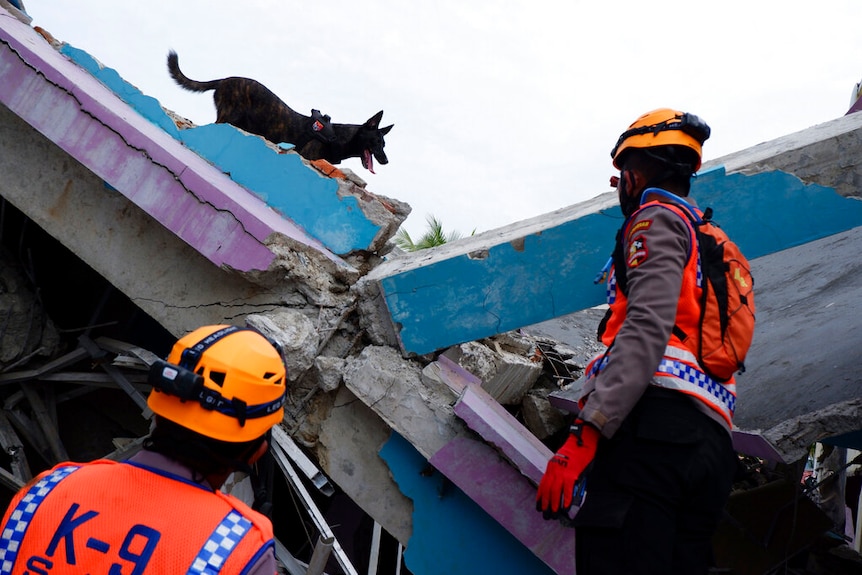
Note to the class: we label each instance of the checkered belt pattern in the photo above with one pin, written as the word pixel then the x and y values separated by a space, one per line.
pixel 218 547
pixel 19 520
pixel 672 373
pixel 691 375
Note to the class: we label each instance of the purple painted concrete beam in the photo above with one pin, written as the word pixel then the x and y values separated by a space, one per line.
pixel 504 489
pixel 508 497
pixel 455 376
pixel 497 426
pixel 484 415
pixel 752 443
pixel 204 207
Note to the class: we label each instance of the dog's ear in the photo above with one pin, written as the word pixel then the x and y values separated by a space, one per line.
pixel 374 120
pixel 384 131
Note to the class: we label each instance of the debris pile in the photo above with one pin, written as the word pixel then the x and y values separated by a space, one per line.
pixel 75 345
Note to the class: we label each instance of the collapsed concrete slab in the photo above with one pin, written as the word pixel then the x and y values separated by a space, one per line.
pixel 823 155
pixel 544 268
pixel 337 212
pixel 363 399
pixel 106 230
pixel 801 382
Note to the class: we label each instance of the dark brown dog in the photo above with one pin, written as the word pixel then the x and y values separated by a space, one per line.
pixel 251 106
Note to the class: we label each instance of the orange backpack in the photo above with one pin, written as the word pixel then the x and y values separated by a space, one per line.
pixel 727 301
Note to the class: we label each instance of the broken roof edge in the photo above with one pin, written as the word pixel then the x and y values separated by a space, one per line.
pixel 16 9
pixel 747 162
pixel 759 158
pixel 325 207
pixel 141 161
pixel 476 246
pixel 474 288
pixel 85 118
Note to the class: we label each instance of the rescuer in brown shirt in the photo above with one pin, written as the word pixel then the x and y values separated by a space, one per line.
pixel 651 447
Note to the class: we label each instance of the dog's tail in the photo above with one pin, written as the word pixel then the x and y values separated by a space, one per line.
pixel 183 81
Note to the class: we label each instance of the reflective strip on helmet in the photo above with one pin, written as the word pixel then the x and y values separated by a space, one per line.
pixel 19 520
pixel 220 544
pixel 213 400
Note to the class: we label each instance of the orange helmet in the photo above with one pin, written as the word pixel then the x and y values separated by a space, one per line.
pixel 663 127
pixel 221 381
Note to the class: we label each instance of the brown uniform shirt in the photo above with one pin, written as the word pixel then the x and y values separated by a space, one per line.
pixel 654 286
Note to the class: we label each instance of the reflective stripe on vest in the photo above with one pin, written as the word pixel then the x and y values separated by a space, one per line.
pixel 611 289
pixel 678 370
pixel 221 541
pixel 19 520
pixel 218 547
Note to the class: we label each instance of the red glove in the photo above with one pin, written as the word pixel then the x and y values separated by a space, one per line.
pixel 556 489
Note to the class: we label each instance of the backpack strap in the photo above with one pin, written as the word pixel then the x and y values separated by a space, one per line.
pixel 694 218
pixel 680 202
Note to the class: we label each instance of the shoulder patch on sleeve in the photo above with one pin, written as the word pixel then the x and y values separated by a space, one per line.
pixel 636 252
pixel 640 226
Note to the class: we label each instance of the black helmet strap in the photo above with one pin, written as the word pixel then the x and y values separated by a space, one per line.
pixel 687 123
pixel 182 381
pixel 192 354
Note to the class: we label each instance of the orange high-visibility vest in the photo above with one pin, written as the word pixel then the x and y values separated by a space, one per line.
pixel 678 368
pixel 108 517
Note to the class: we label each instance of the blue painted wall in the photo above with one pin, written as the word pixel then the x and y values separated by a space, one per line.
pixel 294 190
pixel 451 534
pixel 773 211
pixel 287 185
pixel 462 299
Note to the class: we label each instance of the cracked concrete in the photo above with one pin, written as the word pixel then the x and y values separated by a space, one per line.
pixel 354 381
pixel 61 195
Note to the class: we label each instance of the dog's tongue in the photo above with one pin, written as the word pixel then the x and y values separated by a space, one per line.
pixel 368 161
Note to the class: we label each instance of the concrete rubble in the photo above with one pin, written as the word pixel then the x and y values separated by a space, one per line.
pixel 497 402
pixel 506 375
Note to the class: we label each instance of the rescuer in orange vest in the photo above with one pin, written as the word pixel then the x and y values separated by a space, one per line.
pixel 651 447
pixel 215 399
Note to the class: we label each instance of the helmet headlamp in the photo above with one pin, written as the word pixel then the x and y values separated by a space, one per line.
pixel 247 365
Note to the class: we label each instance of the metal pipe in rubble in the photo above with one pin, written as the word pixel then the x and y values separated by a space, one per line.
pixel 375 549
pixel 320 555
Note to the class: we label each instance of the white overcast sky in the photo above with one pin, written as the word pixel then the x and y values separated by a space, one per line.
pixel 503 109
